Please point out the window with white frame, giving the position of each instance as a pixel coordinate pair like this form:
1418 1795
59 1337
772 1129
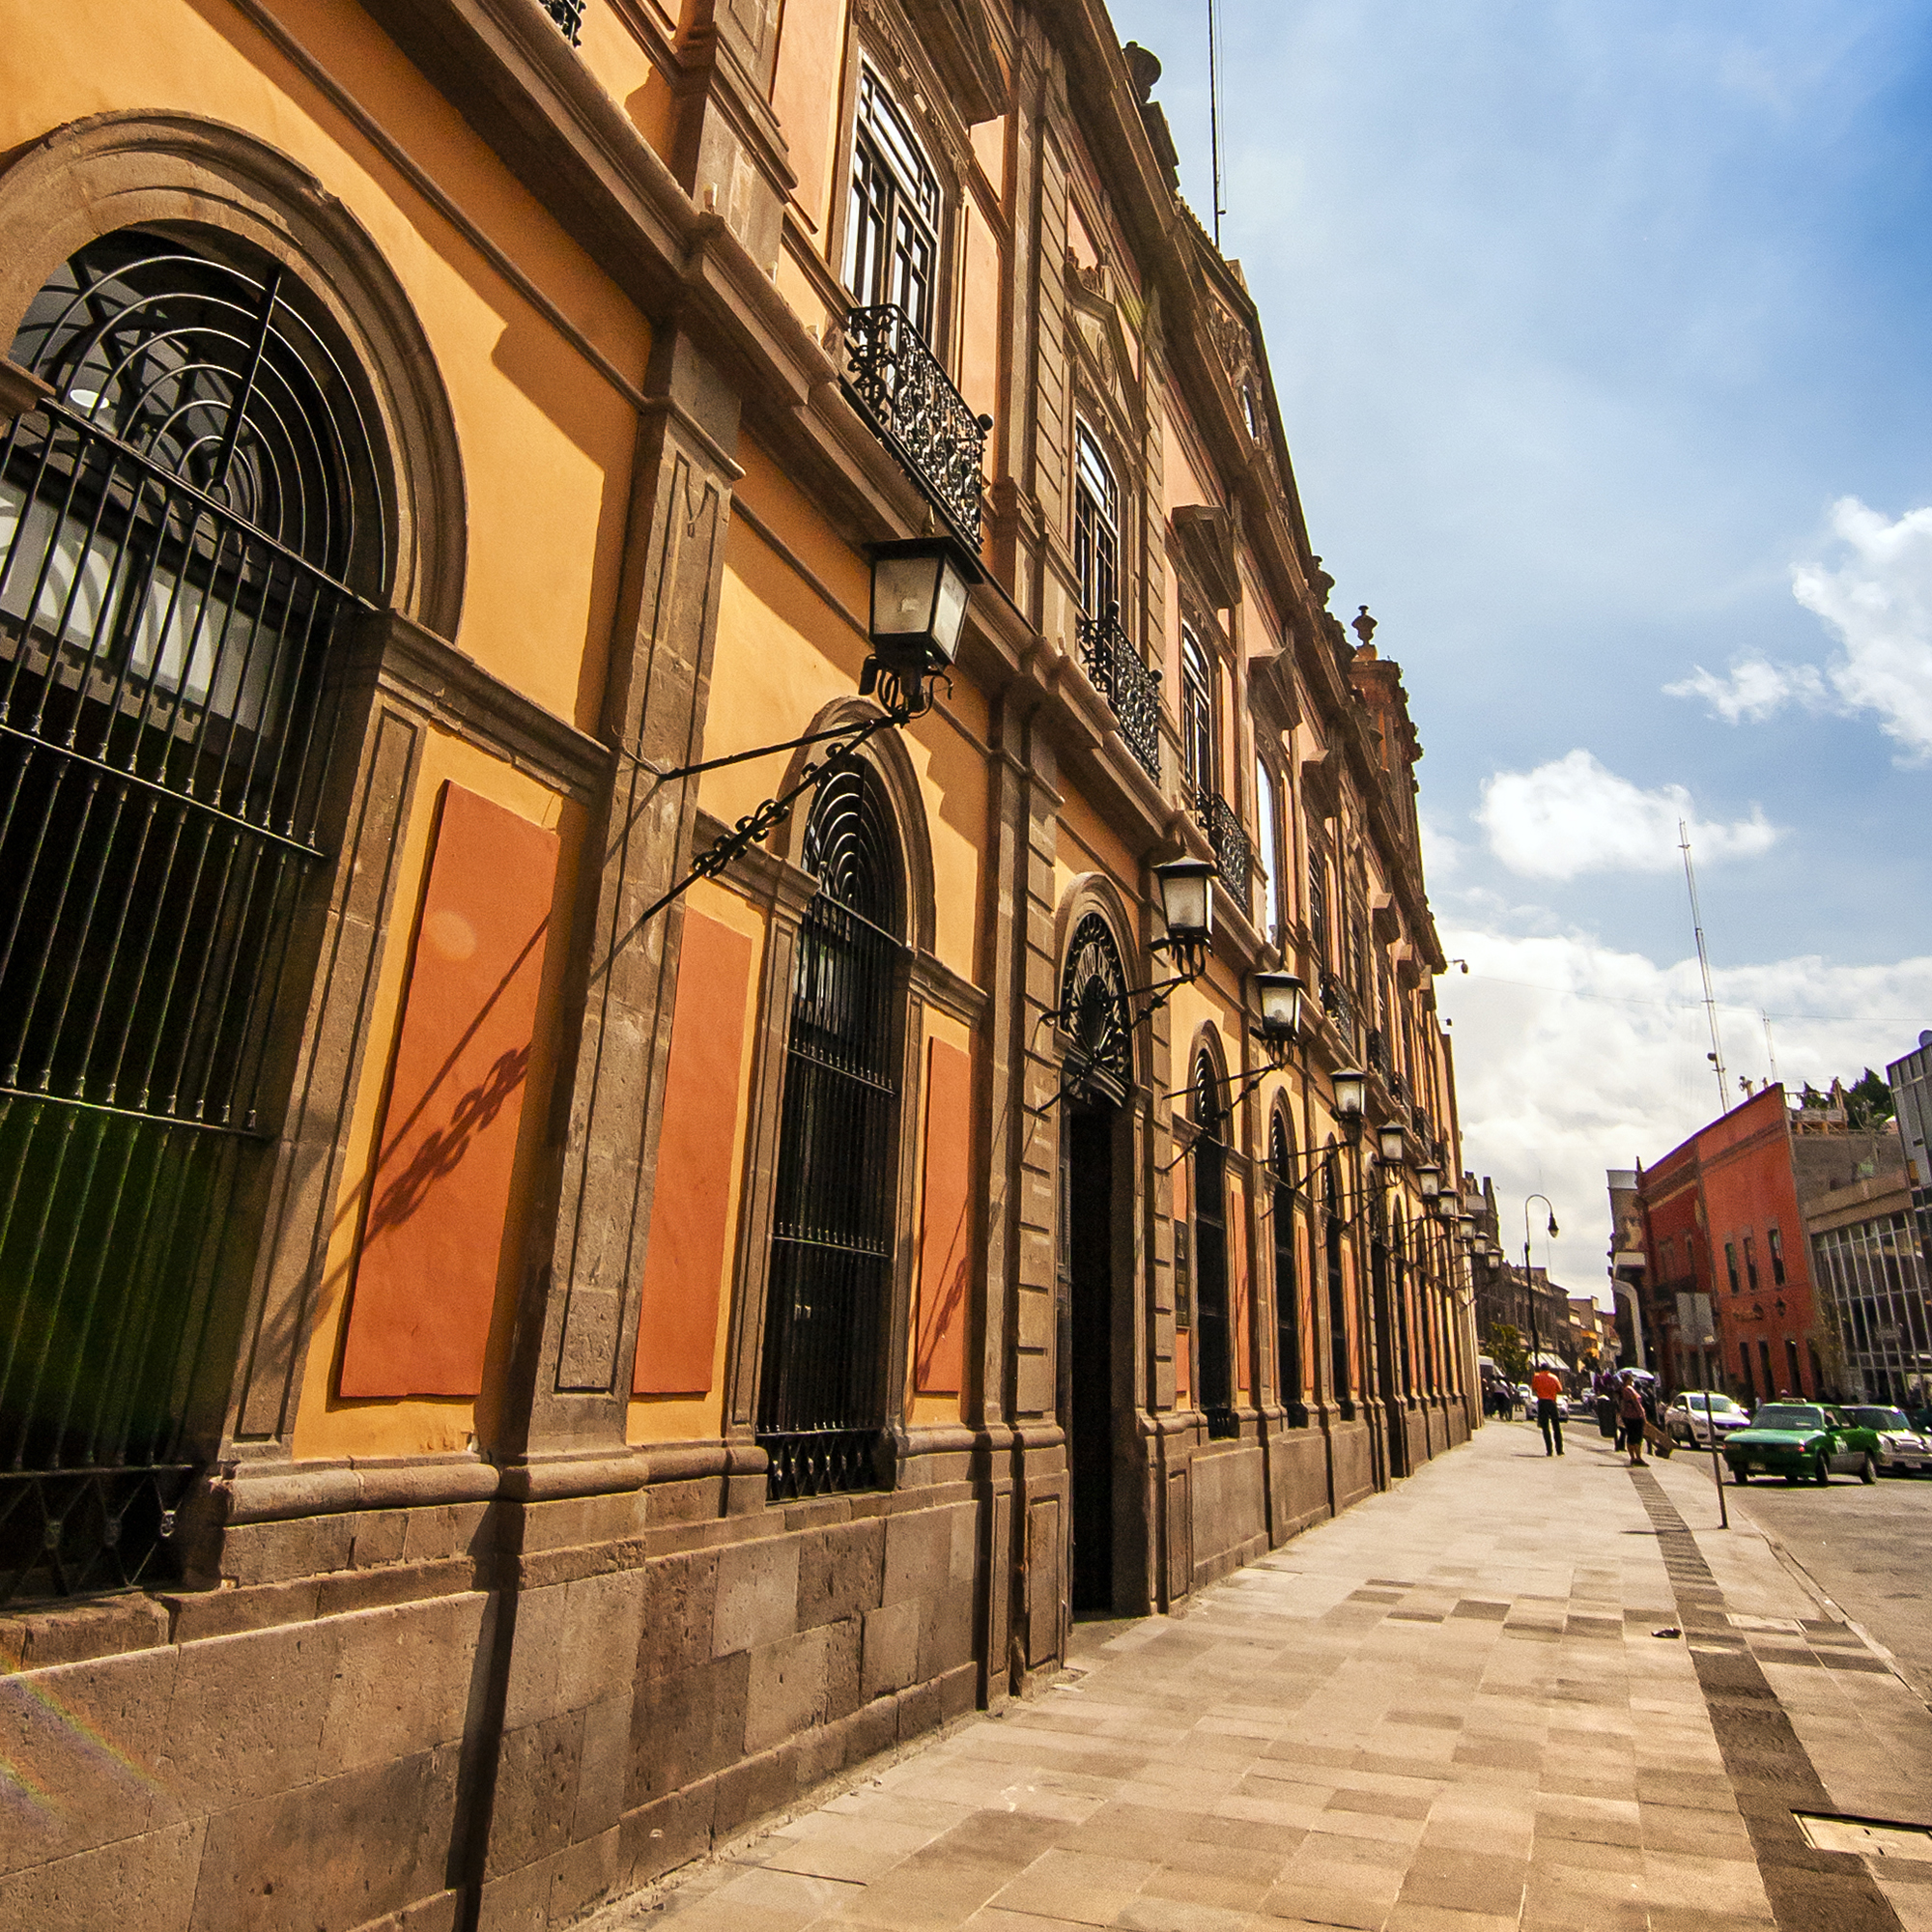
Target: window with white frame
1096 525
891 252
1197 715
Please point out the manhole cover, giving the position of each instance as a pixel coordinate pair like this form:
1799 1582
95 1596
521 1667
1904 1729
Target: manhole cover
1872 1838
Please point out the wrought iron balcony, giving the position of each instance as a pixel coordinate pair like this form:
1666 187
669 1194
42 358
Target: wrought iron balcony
568 15
1336 1004
1375 1050
900 389
1131 688
1233 853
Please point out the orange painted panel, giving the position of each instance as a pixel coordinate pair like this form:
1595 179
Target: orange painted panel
946 1226
684 1266
426 1280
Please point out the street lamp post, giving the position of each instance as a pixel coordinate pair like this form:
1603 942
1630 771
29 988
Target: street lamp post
1529 1279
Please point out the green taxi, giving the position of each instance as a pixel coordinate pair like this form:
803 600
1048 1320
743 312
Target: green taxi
1796 1439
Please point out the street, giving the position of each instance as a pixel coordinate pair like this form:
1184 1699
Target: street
1514 1691
1868 1547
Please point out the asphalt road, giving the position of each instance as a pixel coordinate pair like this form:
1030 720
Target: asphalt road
1868 1547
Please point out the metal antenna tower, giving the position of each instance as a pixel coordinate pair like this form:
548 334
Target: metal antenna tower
1214 108
1704 967
1770 1051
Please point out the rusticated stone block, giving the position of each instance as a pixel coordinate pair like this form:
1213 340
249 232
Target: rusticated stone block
889 1660
670 1832
377 1837
750 1790
870 1729
206 1614
381 1537
433 1914
787 1689
446 1529
944 1629
78 1635
687 1727
536 1792
89 1734
584 1875
145 1883
680 1600
843 1648
958 1692
919 1710
840 1572
247 1717
601 1621
757 1594
530 1689
919 1553
605 1773
277 1552
404 1681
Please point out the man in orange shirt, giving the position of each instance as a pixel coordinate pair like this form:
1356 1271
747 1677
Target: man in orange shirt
1545 1388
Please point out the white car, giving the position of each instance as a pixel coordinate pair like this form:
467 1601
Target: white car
1691 1417
1902 1450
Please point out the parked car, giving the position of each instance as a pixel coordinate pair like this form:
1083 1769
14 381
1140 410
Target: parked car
1796 1439
1902 1450
1691 1417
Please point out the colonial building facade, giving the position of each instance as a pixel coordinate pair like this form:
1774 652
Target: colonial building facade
515 1361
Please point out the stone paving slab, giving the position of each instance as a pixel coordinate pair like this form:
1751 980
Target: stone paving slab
1444 1712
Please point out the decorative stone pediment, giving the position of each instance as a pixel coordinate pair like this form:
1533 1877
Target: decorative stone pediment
1100 341
1206 535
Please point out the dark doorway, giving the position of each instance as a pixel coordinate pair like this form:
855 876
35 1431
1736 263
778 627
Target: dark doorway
1086 1347
1386 1365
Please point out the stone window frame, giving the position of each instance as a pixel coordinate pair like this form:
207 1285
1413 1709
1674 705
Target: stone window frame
178 174
880 41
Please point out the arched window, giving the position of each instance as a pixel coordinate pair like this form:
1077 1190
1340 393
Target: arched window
893 249
1343 1386
822 1397
181 528
1091 992
1097 526
1210 1245
1287 1304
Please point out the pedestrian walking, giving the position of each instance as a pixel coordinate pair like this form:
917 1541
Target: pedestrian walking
1629 1412
1545 1388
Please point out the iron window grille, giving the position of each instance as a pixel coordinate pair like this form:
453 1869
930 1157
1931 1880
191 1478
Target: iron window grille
1131 688
1210 1252
1092 990
1343 1381
1287 1304
569 18
821 1409
181 526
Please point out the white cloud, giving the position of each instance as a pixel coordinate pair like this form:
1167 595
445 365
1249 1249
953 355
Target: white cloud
1573 815
1880 603
1572 1057
1441 851
1755 690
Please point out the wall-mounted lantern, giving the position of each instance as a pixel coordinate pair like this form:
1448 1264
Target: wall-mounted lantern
920 587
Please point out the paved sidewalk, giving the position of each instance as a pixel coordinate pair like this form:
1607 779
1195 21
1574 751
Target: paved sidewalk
1445 1711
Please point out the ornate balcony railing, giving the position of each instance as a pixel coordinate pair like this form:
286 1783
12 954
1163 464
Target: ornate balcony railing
1337 1004
1375 1050
920 417
1233 853
1131 688
568 15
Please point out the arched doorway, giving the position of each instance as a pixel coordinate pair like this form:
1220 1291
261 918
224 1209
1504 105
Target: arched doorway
1287 1293
1091 1358
1341 1388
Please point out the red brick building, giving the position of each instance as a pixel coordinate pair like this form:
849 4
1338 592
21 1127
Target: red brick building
1721 1217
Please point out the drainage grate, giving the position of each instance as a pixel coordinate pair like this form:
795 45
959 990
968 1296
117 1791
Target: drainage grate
1870 1837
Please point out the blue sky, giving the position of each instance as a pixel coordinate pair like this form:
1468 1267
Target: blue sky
1600 338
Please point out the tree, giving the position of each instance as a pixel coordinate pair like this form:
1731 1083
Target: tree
1507 1350
1869 1103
